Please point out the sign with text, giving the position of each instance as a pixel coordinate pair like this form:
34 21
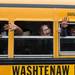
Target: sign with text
38 69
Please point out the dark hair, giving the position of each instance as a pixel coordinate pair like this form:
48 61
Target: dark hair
41 30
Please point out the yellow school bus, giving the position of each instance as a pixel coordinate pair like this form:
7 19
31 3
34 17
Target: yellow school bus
39 11
30 15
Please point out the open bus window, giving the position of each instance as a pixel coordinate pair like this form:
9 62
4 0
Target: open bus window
67 42
36 28
3 32
3 38
33 41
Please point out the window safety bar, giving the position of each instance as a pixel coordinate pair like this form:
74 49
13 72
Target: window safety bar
29 37
64 37
67 37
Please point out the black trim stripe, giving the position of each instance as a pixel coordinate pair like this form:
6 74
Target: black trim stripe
37 61
37 6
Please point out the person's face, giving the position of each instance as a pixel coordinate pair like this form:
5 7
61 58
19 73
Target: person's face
46 30
73 32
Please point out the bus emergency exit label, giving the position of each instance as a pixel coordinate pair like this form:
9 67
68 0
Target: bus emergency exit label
46 69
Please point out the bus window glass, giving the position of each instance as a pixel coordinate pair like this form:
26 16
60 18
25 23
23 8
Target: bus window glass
67 39
36 37
3 37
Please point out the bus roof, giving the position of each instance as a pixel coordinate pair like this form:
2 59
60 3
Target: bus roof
57 2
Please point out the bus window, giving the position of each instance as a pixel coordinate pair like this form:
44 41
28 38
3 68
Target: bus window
36 39
67 40
3 38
